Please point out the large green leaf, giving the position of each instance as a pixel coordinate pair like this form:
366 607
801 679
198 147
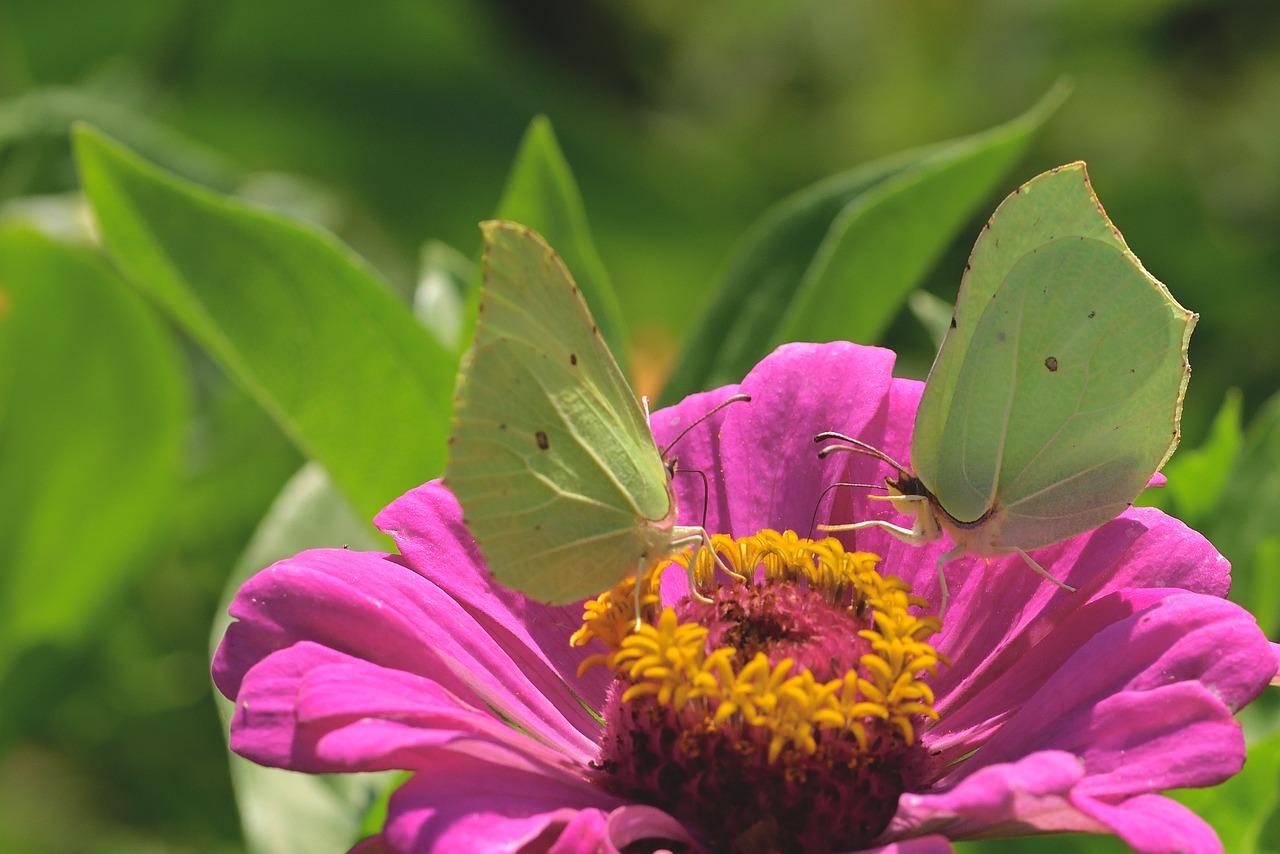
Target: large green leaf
542 194
291 314
837 259
92 414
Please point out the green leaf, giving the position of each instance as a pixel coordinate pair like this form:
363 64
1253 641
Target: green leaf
933 313
1245 810
836 260
92 416
1263 589
1198 477
1069 843
1242 521
442 292
292 315
542 194
283 812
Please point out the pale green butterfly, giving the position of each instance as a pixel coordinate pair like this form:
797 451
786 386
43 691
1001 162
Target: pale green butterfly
1057 392
551 456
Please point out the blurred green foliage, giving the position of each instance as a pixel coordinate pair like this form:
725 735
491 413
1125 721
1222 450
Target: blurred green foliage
135 466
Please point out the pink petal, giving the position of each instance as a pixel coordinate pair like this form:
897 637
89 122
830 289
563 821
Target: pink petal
1000 800
698 451
760 457
1151 824
637 824
313 709
372 608
1143 548
1141 685
473 805
426 524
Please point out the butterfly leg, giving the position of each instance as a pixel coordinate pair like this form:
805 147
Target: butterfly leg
943 593
640 568
1040 569
687 536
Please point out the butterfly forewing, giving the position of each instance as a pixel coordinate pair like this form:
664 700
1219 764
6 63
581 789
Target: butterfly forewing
551 458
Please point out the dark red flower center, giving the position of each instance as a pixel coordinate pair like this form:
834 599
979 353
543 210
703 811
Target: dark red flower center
777 715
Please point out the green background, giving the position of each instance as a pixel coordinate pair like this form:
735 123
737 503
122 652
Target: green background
139 449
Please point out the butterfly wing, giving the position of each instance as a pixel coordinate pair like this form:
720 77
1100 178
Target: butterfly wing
551 457
1059 390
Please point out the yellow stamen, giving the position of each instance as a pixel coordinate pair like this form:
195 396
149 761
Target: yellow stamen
669 660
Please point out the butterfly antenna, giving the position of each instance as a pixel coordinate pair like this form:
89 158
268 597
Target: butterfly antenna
673 467
737 398
858 447
813 523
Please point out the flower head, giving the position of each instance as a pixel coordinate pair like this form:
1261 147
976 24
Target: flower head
815 694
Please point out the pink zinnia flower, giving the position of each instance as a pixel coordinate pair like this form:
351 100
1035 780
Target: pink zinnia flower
1058 711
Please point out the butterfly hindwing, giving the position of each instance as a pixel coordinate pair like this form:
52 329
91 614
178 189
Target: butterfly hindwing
1059 390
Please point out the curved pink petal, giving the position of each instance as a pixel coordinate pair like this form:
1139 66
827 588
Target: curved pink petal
639 825
698 451
316 710
426 524
1000 800
371 607
1152 824
470 804
759 457
1140 685
1143 548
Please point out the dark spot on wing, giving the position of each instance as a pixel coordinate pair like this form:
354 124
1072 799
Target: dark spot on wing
543 443
502 425
1051 362
573 358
